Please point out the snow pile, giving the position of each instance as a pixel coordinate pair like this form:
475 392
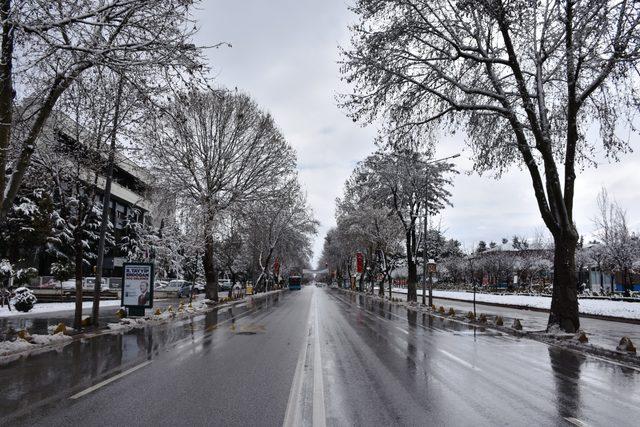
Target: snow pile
44 340
623 309
52 307
181 312
10 347
31 343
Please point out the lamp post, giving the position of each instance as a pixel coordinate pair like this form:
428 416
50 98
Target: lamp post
426 225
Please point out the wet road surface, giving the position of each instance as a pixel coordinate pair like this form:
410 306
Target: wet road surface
316 357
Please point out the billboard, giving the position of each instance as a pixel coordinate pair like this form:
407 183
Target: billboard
137 285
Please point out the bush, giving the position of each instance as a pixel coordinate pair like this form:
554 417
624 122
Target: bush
23 299
24 276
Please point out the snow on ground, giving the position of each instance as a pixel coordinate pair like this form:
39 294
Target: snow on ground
10 347
624 309
37 341
52 307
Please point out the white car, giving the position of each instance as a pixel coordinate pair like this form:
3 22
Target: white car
89 284
159 285
67 285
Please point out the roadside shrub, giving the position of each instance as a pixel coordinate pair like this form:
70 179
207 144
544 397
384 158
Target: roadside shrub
517 325
582 337
23 299
626 345
24 276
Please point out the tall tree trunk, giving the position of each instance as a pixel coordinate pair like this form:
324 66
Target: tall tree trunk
564 304
6 90
106 205
412 272
361 280
77 319
381 285
210 272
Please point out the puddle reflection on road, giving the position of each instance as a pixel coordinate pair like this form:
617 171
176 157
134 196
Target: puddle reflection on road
43 376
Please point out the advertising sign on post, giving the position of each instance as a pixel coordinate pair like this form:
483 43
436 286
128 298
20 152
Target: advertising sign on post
359 262
137 287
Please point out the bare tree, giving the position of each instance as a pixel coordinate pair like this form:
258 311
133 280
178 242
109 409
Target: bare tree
278 225
621 245
396 181
46 46
524 80
215 150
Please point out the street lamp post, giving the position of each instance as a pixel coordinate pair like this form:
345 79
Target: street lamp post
426 225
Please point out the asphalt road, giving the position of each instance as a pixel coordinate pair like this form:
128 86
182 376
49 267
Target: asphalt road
316 357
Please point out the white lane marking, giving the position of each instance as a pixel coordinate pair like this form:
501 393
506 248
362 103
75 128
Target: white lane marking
576 422
460 361
109 380
402 330
293 414
319 418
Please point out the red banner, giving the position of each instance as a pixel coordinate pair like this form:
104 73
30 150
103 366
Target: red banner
276 267
359 262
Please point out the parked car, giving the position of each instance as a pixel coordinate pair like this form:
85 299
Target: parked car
67 285
181 287
89 283
198 288
224 285
50 284
160 285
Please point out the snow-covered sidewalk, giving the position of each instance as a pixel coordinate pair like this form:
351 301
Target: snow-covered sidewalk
621 309
53 307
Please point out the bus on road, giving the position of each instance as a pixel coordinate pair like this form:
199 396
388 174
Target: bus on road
295 283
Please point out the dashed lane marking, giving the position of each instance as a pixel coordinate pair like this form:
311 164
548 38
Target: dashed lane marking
109 380
402 330
576 422
460 361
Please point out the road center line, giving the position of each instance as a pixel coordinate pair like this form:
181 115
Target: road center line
576 422
319 418
293 414
460 361
109 380
402 330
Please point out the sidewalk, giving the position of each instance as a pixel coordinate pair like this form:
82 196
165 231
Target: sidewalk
601 332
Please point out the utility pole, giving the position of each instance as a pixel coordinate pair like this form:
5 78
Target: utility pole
424 240
426 230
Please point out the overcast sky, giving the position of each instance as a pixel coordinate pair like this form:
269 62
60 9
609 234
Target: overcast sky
285 55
